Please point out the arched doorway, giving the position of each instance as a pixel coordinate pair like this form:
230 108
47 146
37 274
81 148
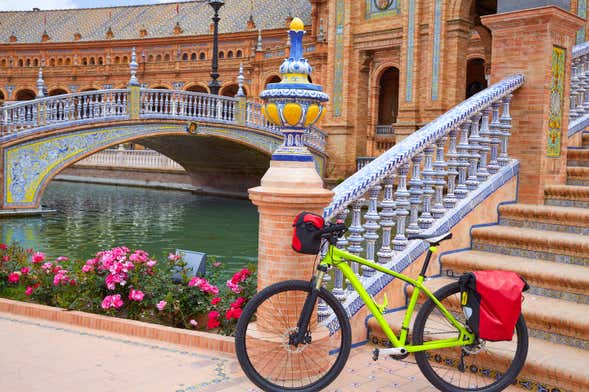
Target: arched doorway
197 88
57 91
25 94
2 98
272 79
388 97
475 77
230 90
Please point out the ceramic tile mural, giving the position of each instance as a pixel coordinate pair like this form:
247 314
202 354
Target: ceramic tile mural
556 102
381 8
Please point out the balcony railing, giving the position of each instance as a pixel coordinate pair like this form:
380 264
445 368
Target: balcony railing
385 130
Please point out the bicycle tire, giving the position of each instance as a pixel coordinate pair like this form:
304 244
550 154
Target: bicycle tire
261 362
476 375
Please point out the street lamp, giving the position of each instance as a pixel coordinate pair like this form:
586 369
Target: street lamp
214 84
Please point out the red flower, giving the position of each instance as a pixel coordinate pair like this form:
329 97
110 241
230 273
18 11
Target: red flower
238 302
233 313
14 277
3 247
215 301
213 320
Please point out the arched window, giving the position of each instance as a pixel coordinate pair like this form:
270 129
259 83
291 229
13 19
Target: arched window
28 63
117 60
158 58
2 98
185 56
230 90
52 62
20 62
25 95
230 54
193 56
92 61
125 60
57 91
167 57
272 79
221 55
239 53
3 62
150 58
60 61
202 56
388 99
84 61
68 61
100 61
197 88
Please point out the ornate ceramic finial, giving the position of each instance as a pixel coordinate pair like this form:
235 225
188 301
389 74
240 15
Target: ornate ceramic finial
109 34
321 34
294 104
40 84
133 67
259 48
45 37
240 79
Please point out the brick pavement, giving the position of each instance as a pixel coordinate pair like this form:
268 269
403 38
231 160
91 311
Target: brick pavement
38 355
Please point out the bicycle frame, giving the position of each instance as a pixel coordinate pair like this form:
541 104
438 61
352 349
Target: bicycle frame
337 258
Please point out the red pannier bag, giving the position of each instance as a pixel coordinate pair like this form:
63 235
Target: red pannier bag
306 236
491 302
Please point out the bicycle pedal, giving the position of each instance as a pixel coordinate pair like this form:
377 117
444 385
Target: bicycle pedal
375 354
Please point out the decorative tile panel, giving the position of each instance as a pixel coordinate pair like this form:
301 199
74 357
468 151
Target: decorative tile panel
436 50
382 8
556 102
410 47
338 83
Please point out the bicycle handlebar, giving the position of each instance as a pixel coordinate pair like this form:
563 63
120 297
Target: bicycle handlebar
338 227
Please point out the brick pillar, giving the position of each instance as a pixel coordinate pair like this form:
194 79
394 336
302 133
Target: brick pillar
287 188
533 42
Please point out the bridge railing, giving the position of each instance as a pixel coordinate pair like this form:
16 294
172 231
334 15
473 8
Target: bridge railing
131 159
71 108
579 95
425 183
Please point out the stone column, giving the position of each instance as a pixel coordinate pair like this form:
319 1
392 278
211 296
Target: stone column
291 184
537 43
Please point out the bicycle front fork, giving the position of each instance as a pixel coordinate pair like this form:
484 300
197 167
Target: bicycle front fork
301 335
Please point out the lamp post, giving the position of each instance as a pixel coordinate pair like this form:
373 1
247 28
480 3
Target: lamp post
214 84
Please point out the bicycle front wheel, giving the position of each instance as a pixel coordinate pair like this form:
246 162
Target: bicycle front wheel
264 346
484 366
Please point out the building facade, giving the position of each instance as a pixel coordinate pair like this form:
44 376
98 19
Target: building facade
389 66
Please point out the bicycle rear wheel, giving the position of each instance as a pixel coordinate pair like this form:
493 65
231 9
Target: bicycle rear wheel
485 366
262 339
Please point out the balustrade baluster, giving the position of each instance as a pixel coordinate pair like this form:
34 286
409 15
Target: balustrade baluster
21 116
584 87
402 204
440 179
426 219
472 182
79 107
505 122
219 108
371 227
34 117
576 67
387 220
483 173
124 104
356 236
463 164
495 131
338 281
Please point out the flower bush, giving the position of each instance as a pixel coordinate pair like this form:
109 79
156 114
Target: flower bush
131 284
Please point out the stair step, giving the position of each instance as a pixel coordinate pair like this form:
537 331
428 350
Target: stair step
563 281
578 157
537 244
577 175
567 196
585 139
550 364
544 217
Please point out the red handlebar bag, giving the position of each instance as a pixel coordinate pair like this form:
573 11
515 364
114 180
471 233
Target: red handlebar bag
306 236
491 301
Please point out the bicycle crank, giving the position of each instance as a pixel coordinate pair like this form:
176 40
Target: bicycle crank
394 352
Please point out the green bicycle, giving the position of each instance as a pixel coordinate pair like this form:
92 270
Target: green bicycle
296 336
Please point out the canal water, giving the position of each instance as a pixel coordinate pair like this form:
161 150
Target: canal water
91 218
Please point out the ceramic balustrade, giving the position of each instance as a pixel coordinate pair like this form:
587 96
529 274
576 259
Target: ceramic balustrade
415 185
131 159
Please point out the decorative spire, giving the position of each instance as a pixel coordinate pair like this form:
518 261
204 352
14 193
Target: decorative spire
40 84
259 48
240 79
133 67
109 33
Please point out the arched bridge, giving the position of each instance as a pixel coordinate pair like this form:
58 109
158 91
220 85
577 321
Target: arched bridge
40 138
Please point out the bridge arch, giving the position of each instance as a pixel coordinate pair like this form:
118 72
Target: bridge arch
241 155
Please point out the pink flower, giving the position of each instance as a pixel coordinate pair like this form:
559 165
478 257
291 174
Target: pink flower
61 258
14 277
6 258
25 270
47 267
60 277
29 291
161 305
193 323
136 295
38 257
112 301
217 264
173 257
234 286
87 268
151 263
215 301
3 247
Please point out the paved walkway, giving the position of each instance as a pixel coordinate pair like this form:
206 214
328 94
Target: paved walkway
37 355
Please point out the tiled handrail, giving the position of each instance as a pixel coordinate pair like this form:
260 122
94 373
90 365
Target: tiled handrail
426 183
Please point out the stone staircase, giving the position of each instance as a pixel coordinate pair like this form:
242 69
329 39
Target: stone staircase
549 246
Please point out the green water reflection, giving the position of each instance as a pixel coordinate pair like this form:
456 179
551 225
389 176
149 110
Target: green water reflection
95 217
